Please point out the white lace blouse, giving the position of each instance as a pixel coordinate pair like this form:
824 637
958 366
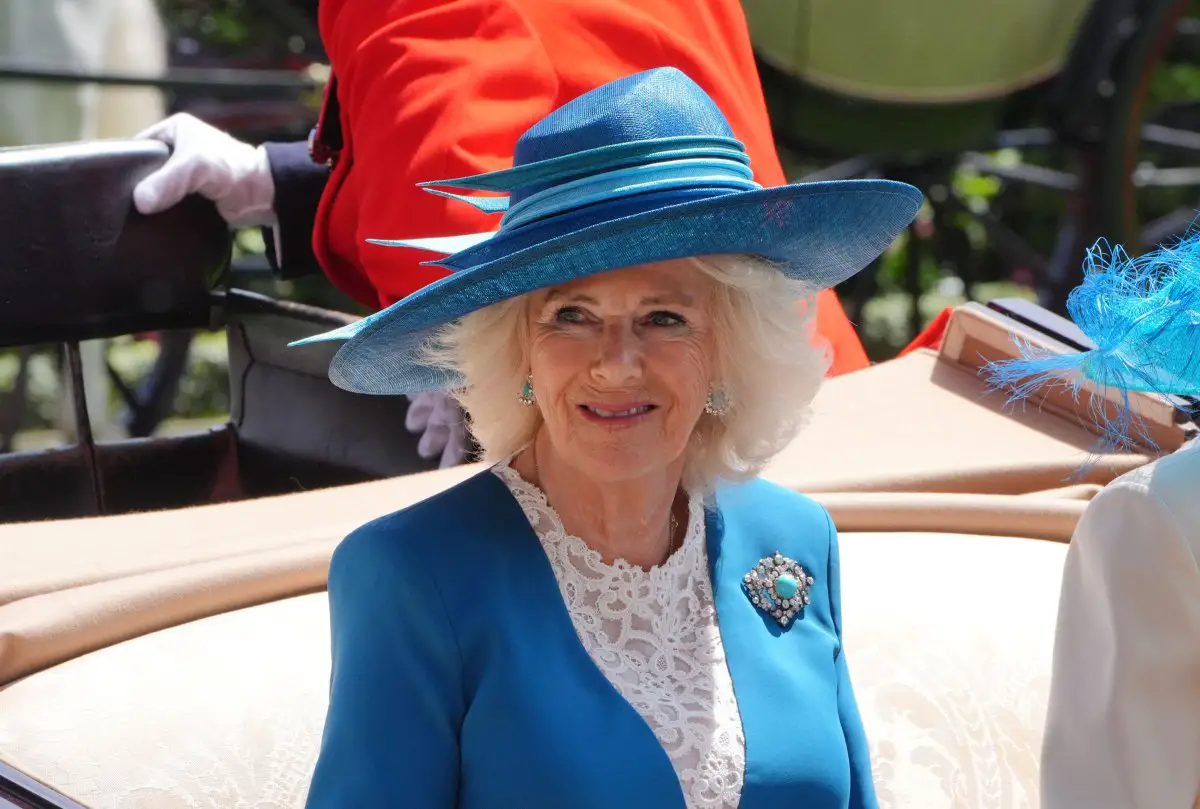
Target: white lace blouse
654 635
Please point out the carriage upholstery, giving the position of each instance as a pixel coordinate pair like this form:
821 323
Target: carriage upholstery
227 711
178 659
113 270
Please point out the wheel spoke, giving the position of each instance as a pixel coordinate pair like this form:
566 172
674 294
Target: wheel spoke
126 393
1023 173
1171 138
1163 228
857 166
1026 138
1150 176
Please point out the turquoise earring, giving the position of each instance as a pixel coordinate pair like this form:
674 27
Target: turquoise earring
526 396
717 404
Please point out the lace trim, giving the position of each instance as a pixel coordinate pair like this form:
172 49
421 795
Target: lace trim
653 632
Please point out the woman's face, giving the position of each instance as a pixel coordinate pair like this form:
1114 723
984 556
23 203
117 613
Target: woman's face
621 366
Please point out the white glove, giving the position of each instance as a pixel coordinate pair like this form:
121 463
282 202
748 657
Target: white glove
205 160
443 429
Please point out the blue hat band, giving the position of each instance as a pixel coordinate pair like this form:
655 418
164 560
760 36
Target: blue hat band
512 240
646 178
617 155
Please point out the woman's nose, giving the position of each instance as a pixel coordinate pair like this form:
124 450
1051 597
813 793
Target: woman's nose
619 358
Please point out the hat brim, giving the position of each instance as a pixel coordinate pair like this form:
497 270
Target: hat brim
818 233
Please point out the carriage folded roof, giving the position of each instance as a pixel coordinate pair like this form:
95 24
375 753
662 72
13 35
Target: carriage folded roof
924 51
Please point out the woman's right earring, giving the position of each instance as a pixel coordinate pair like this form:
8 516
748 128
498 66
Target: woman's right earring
526 396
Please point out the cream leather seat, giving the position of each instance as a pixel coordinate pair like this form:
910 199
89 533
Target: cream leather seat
949 639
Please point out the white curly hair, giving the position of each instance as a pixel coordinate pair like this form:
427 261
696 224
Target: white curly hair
769 364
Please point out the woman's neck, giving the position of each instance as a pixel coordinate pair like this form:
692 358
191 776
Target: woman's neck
642 521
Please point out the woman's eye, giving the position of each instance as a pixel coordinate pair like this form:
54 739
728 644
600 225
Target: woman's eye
666 319
568 314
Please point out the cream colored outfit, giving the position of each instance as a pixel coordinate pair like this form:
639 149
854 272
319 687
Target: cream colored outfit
1123 722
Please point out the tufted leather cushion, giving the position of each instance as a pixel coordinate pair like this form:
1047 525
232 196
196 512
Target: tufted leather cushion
950 665
77 261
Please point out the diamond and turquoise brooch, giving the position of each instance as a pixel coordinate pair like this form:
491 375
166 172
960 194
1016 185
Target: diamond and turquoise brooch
778 586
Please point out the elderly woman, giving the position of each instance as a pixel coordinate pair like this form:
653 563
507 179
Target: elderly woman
615 614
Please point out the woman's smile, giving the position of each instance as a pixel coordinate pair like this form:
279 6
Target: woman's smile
626 414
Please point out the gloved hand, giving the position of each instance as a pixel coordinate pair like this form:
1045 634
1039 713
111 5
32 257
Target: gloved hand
442 426
205 160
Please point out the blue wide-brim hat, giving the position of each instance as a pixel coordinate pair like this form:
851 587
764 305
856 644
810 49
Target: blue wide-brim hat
643 169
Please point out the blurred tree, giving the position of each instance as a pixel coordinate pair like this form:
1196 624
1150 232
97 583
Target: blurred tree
262 33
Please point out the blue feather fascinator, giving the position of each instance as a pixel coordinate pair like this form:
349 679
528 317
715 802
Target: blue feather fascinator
1142 314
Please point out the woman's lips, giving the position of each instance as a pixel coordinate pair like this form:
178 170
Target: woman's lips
620 413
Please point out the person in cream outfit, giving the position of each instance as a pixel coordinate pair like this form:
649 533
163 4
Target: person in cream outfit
1123 720
1123 723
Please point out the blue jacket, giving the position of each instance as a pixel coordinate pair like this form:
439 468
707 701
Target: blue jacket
459 681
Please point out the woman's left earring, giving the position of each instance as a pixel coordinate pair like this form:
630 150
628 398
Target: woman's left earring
717 403
526 396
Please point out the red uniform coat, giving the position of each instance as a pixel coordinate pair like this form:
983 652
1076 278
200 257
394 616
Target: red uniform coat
436 89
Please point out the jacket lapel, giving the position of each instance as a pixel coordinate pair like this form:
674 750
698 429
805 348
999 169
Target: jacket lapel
784 679
584 698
